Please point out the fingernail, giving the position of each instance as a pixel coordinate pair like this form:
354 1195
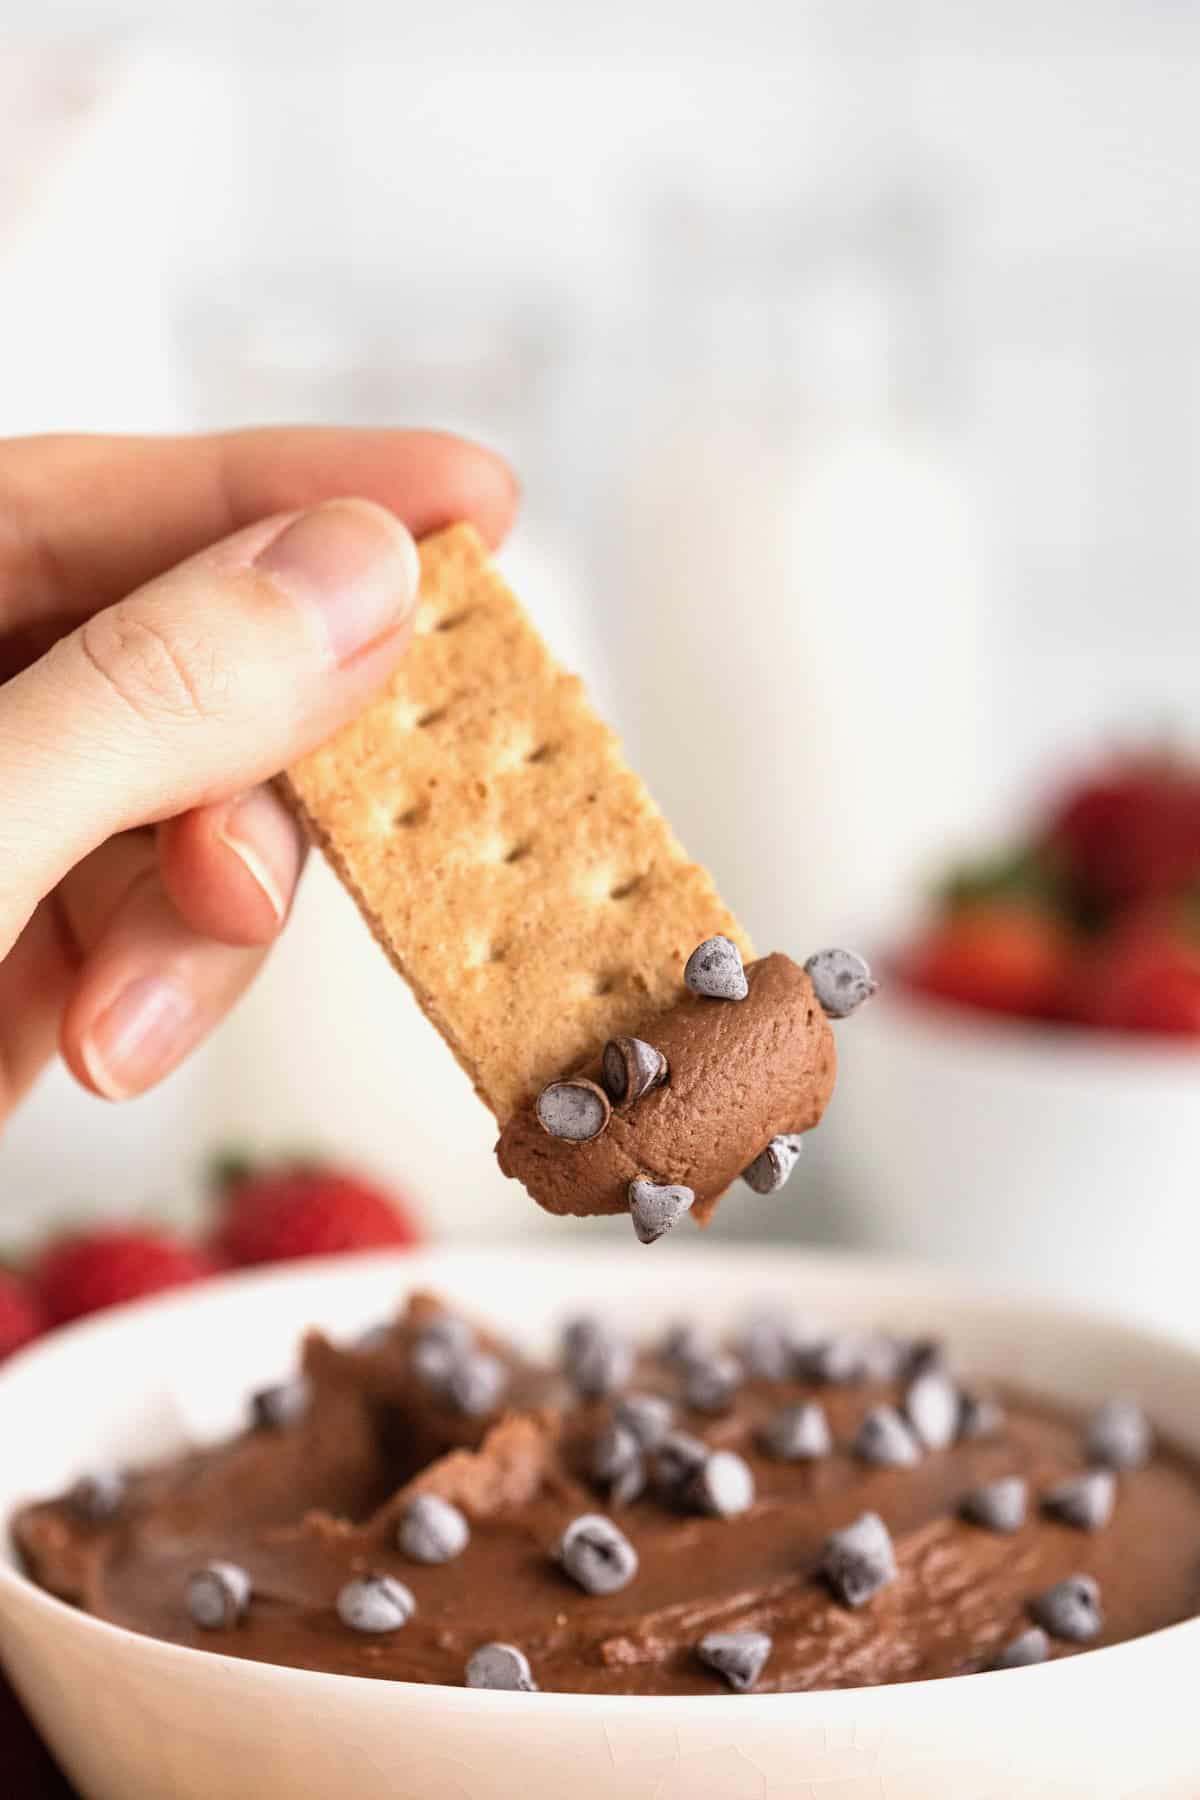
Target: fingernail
265 838
355 563
141 1035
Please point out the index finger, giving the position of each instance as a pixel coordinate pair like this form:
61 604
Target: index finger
83 520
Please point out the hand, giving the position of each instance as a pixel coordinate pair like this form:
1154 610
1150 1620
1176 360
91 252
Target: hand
179 620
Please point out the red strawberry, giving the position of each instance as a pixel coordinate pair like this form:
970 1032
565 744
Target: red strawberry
281 1213
93 1269
1143 975
1132 832
1002 955
21 1316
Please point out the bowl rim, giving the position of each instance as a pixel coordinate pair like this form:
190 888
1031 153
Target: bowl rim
22 1591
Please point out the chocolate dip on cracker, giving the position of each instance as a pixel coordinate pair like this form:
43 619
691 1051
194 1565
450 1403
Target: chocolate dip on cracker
586 974
740 1073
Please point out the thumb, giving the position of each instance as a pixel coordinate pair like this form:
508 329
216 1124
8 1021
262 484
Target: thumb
208 679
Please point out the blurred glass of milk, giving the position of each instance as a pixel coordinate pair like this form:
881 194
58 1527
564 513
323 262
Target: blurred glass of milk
802 672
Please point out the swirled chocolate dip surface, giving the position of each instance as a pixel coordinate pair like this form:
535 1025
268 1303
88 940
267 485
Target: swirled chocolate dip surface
310 1551
741 1072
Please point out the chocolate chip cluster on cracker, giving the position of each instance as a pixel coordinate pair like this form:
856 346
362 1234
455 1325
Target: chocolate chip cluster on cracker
585 973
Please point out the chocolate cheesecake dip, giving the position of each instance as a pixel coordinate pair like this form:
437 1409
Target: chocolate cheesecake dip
791 1509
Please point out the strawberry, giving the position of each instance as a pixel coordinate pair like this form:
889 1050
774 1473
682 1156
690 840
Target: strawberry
276 1214
1002 955
1000 940
1143 975
103 1267
1131 832
21 1315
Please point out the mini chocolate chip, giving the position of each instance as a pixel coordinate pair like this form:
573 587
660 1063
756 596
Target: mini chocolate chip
998 1505
676 1460
217 1595
632 1067
629 1484
95 1498
448 1329
375 1603
601 1364
614 1452
1118 1436
859 1560
579 1332
714 970
647 1416
772 1166
431 1530
841 981
575 1110
476 1382
883 1358
765 1343
921 1355
500 1666
723 1485
1032 1646
979 1417
596 1555
934 1407
437 1347
884 1439
655 1209
837 1361
432 1362
710 1386
1085 1501
807 1340
685 1343
740 1656
797 1433
1070 1609
276 1408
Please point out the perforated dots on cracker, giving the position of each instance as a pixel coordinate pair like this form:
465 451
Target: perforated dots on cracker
579 966
511 864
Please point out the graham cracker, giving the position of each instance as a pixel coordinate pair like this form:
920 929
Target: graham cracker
508 860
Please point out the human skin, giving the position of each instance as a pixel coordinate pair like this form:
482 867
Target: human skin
180 618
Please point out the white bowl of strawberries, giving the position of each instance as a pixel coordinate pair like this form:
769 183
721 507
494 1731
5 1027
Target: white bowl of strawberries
1024 1098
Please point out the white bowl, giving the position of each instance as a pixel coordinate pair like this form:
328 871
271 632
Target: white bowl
134 1719
1056 1155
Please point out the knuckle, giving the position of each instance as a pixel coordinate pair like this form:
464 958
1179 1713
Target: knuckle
160 673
